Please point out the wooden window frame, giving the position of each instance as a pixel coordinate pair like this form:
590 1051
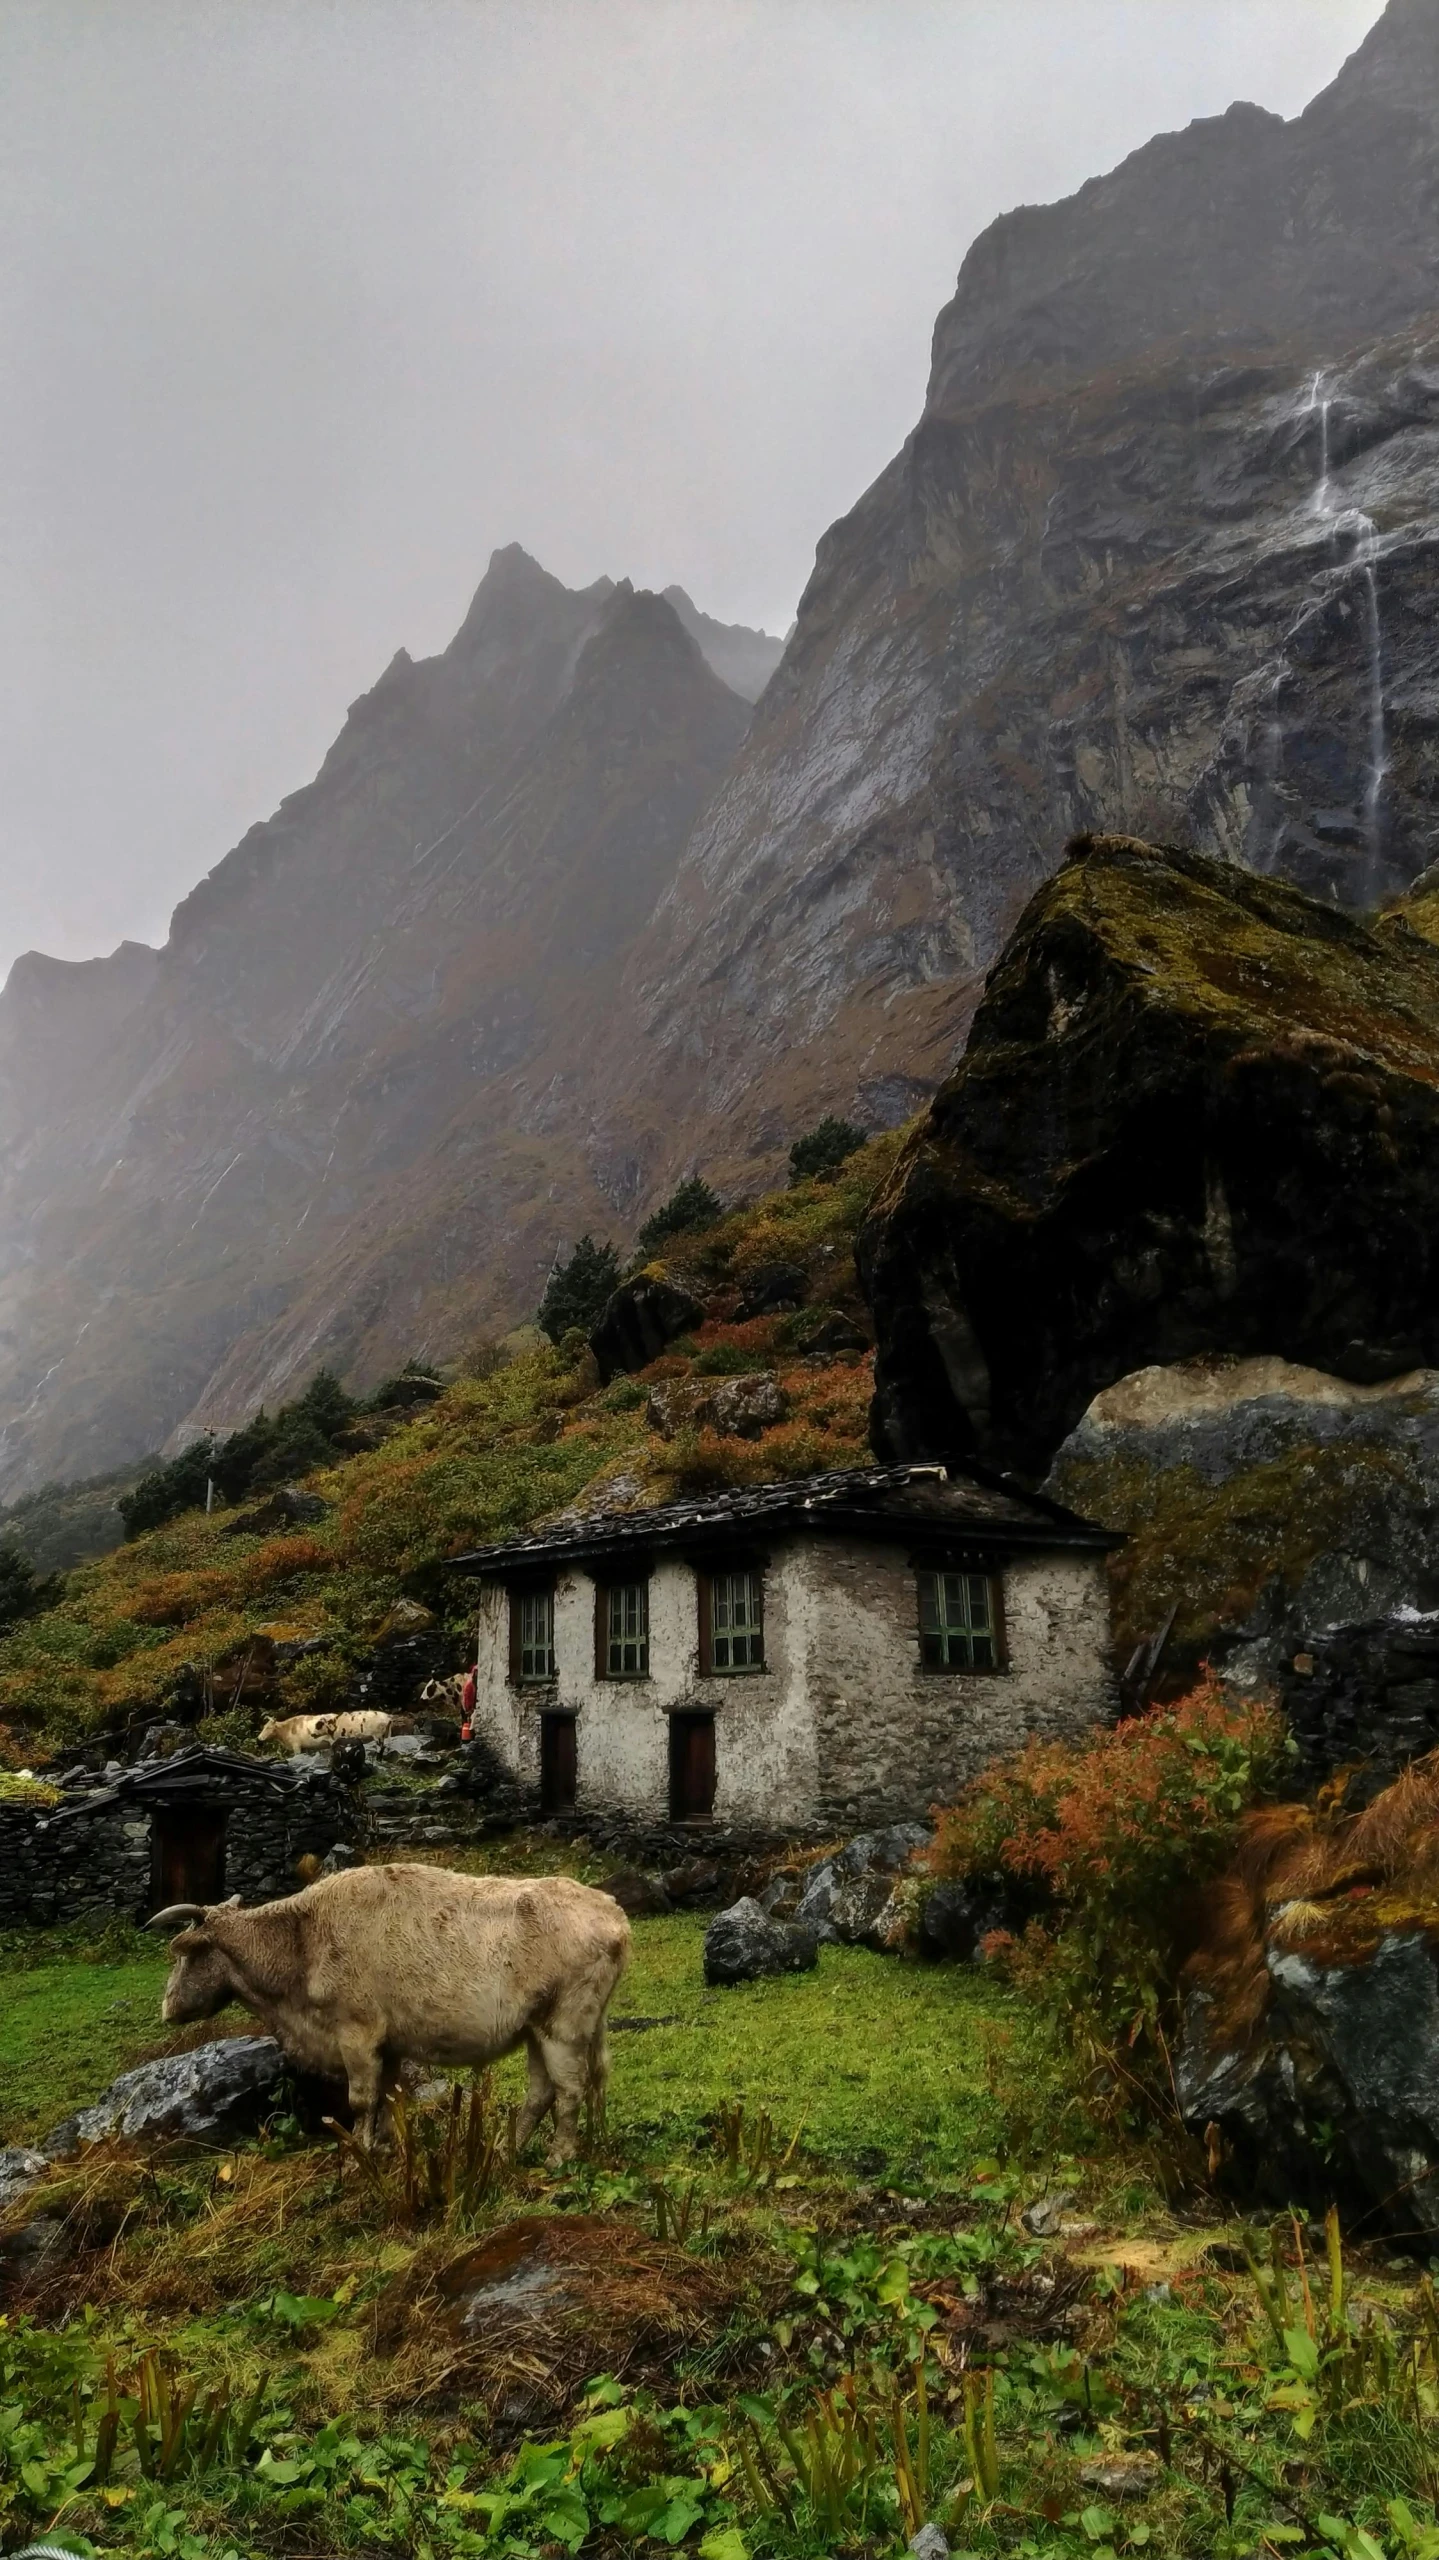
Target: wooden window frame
604 1636
972 1568
519 1593
706 1576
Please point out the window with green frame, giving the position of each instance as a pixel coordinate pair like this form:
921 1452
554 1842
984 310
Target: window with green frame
626 1621
958 1622
736 1621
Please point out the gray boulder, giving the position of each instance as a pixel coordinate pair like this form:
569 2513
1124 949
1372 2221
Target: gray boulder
746 1406
19 2169
744 1942
214 2094
1336 2094
951 1922
847 1897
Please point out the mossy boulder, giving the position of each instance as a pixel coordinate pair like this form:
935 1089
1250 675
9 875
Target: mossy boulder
1198 1112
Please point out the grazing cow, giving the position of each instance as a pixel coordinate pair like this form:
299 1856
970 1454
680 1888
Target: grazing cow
381 1965
445 1693
310 1733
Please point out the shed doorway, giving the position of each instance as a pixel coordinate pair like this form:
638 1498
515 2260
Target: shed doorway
187 1855
557 1763
692 1768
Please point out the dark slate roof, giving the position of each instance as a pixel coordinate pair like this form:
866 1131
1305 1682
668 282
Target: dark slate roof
197 1775
931 1505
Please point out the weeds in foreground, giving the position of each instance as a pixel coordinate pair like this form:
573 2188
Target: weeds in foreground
444 2164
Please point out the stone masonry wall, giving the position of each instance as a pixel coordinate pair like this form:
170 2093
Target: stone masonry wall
101 1862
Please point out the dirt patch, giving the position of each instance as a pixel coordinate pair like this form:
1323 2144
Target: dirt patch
527 2316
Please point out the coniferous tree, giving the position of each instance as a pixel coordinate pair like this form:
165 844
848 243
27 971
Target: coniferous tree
691 1206
823 1150
577 1290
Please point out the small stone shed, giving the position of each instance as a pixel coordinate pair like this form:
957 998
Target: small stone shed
801 1657
191 1828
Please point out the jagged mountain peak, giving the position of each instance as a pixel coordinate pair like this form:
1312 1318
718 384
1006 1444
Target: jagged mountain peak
1395 66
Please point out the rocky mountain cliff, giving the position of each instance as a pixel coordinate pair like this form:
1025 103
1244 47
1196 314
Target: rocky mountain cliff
325 1122
1159 556
559 920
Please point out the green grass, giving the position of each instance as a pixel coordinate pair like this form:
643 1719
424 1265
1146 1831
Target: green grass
870 2054
66 2028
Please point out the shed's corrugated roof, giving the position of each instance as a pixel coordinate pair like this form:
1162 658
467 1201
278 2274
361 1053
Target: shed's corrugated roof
962 1503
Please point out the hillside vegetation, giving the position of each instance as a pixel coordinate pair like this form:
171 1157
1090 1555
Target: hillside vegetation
523 1430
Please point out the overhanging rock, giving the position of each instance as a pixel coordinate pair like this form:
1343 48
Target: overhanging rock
1198 1111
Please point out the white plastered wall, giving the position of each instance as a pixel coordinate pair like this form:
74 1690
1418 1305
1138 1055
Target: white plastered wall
842 1727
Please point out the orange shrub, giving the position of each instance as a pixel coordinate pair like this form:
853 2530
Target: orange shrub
1116 1833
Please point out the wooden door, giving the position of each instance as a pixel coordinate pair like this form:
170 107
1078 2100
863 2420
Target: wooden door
692 1768
557 1763
187 1855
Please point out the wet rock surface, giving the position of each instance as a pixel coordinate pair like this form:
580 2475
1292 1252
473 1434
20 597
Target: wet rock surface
847 1898
214 2094
744 1943
640 1321
1198 1112
1338 2090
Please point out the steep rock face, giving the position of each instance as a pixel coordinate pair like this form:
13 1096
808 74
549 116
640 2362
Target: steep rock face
743 659
1158 557
334 1122
1198 1112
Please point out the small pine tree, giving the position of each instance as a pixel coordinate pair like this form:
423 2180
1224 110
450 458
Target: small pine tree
576 1291
691 1206
823 1150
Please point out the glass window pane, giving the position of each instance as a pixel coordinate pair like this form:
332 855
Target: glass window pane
957 1622
537 1635
736 1622
627 1655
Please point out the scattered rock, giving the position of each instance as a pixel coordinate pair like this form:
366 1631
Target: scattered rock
741 1408
950 1922
39 2246
694 1880
744 1942
214 2094
642 1896
772 1290
639 1322
746 1406
1121 2475
928 2543
1046 2215
833 1334
340 1855
287 1508
19 2169
847 1897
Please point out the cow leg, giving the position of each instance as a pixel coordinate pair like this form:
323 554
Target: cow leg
365 2077
599 2072
539 2095
569 2068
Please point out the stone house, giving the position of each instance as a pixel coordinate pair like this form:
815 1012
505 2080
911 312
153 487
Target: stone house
193 1827
794 1658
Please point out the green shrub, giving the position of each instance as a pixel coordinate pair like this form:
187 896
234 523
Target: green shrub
824 1149
727 1360
576 1291
692 1206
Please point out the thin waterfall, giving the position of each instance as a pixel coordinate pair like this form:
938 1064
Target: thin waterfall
1353 520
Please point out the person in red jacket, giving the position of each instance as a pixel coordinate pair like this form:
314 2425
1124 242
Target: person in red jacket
467 1702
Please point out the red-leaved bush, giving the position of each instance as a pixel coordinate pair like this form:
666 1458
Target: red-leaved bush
1115 1837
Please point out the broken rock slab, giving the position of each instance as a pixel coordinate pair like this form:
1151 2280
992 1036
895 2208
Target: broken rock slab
744 1943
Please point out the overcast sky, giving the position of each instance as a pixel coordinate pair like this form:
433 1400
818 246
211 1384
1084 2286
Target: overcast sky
305 305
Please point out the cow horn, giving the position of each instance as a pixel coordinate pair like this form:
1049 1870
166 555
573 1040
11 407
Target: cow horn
180 1915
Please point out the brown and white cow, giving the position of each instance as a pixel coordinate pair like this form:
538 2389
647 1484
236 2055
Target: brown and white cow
310 1733
383 1965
